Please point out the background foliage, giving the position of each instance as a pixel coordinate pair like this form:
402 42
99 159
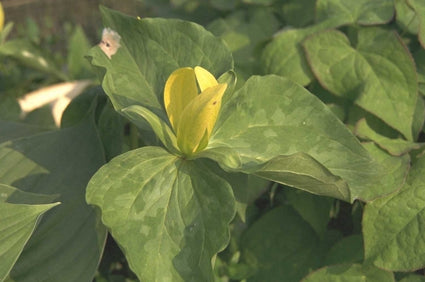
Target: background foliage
335 90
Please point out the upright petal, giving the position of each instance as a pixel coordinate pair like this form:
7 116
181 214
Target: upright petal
198 120
205 78
179 90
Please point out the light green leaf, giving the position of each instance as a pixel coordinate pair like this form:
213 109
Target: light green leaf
350 273
406 17
292 120
393 226
281 246
396 147
169 215
150 50
58 163
378 74
19 214
364 12
419 7
347 250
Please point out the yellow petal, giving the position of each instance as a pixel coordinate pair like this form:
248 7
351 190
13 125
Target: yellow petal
198 120
1 17
205 78
179 90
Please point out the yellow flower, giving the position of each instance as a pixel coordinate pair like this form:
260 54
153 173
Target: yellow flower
192 99
1 17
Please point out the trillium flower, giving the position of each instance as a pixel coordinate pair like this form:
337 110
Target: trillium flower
192 99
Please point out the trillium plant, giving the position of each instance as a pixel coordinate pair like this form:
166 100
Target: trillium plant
233 151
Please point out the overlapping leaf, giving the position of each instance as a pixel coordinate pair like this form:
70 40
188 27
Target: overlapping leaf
378 74
393 227
19 214
150 50
169 215
58 163
350 273
271 116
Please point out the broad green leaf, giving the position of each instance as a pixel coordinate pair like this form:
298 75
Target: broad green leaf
419 7
313 209
259 2
292 120
418 117
281 246
160 127
169 215
350 273
150 50
378 74
364 12
396 147
393 173
32 56
347 250
284 56
19 214
393 226
406 17
58 163
79 45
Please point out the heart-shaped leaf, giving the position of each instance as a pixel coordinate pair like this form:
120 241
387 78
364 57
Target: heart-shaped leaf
169 215
378 74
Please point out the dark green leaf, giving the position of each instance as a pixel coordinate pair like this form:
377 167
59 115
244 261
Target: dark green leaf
347 250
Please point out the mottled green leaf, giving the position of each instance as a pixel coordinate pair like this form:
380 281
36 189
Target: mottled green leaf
350 273
58 163
292 120
406 17
396 147
19 214
150 49
363 12
393 226
169 215
378 74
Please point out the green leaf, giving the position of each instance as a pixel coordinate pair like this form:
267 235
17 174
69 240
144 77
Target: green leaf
292 120
406 17
364 12
313 209
347 250
58 163
350 273
413 278
378 74
281 246
392 226
395 147
419 7
298 13
19 214
79 45
170 216
32 56
150 50
13 130
160 127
